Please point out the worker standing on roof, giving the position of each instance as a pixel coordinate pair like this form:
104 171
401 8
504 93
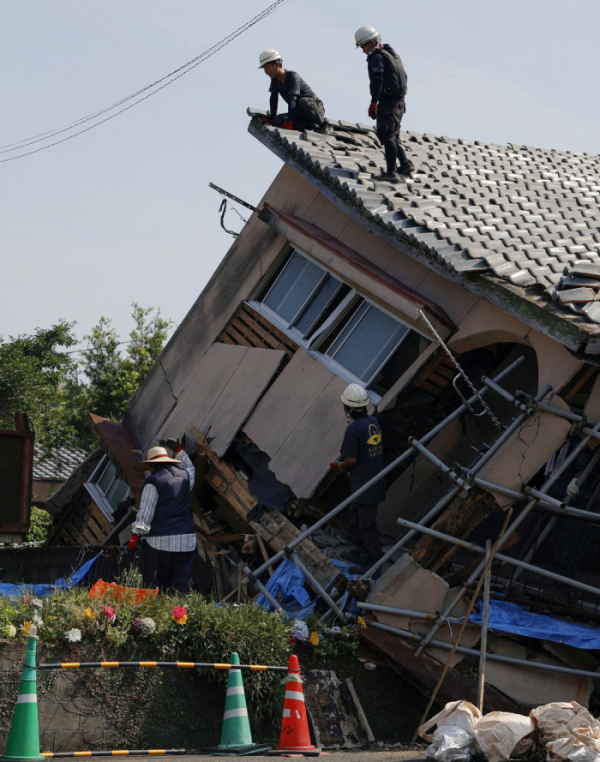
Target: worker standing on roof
306 111
388 84
362 458
165 520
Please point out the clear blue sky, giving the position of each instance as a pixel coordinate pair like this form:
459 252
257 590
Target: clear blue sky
124 212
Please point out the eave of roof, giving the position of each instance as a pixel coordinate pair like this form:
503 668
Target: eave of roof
408 218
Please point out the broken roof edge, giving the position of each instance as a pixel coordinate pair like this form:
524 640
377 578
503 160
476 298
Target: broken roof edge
583 338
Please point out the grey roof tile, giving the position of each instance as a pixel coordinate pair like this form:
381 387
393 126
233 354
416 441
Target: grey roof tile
525 213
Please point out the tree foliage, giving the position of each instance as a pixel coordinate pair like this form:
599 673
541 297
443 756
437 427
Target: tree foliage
34 375
41 377
111 377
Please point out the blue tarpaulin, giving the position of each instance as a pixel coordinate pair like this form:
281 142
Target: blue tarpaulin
508 617
17 591
289 581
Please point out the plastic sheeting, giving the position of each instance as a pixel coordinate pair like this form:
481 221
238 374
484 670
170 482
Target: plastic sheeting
508 617
39 591
289 581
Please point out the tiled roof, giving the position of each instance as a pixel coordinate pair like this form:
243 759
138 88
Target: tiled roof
59 465
523 216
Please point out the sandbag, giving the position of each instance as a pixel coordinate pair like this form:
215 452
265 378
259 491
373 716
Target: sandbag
559 719
499 733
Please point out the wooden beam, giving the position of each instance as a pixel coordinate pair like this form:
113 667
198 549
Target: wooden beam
273 527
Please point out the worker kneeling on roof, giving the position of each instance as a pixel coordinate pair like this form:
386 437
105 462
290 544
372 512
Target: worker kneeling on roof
362 458
388 85
306 111
165 520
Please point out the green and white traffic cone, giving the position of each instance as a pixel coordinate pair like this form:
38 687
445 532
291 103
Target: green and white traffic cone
236 736
24 738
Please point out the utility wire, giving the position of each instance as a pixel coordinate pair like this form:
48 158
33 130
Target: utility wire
167 80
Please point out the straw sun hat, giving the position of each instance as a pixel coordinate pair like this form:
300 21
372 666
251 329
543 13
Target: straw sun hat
155 455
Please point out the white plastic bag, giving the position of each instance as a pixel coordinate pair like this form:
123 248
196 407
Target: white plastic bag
451 744
454 739
499 733
582 745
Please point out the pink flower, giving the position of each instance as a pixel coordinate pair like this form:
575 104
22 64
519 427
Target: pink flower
292 640
110 613
179 612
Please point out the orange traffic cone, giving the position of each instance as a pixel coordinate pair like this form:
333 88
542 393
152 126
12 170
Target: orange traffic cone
295 735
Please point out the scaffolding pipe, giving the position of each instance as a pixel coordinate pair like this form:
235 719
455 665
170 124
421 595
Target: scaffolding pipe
590 432
439 463
490 656
574 513
499 557
410 613
316 586
527 492
512 528
399 460
455 490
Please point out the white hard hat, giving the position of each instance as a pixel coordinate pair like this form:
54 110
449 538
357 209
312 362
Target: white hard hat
268 56
355 396
365 34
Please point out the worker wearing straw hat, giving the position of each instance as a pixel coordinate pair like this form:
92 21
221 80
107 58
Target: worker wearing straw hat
165 520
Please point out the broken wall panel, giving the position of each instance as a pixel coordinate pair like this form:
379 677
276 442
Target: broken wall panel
300 423
238 274
529 448
228 383
124 448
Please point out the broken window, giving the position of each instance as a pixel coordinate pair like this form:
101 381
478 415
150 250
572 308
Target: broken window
106 488
357 340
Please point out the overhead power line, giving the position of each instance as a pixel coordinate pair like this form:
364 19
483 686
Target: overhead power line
149 90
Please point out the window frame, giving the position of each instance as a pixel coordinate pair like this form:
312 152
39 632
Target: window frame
97 495
339 319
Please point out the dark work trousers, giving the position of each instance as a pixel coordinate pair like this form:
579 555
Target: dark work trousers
363 528
389 117
309 114
166 569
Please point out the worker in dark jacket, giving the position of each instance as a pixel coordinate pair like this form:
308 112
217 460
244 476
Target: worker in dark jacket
305 110
362 458
388 85
165 520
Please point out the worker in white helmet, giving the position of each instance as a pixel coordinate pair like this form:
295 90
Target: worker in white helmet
388 85
305 110
362 458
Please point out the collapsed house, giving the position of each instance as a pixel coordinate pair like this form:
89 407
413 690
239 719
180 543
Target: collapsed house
466 303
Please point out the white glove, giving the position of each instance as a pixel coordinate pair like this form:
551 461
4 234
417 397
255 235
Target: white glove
573 489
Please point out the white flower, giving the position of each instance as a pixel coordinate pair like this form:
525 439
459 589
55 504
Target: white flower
335 630
9 630
300 630
37 604
74 635
148 625
38 621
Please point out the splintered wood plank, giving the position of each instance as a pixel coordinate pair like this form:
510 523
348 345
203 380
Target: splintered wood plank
273 527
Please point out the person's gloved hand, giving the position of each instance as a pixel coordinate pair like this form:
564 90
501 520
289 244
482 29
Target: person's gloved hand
171 443
335 464
573 489
373 111
133 541
287 125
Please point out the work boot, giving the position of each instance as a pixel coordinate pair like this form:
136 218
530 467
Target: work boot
388 178
406 168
